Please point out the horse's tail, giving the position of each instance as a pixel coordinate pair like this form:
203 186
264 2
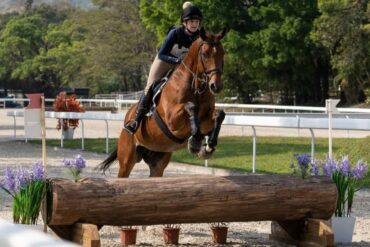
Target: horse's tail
108 161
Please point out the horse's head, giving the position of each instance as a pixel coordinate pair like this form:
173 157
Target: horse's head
210 62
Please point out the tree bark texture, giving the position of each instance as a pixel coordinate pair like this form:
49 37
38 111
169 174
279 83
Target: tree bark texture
192 199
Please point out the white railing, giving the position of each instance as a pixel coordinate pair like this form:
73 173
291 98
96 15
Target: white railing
296 121
119 103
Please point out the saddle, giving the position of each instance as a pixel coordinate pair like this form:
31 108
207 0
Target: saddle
157 88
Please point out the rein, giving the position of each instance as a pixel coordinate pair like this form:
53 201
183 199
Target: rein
206 74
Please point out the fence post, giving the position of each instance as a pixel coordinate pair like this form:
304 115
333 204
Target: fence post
107 137
254 150
312 146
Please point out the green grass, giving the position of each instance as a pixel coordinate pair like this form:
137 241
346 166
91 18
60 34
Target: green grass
274 154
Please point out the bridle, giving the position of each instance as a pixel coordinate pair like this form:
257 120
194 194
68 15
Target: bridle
206 74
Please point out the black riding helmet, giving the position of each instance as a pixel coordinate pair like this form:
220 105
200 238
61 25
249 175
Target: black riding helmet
191 13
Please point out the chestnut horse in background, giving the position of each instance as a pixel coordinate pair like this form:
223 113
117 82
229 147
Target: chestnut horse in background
185 112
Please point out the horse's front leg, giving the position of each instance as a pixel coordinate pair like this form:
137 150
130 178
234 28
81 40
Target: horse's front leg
195 140
207 150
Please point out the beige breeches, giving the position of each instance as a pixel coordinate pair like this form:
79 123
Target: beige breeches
158 69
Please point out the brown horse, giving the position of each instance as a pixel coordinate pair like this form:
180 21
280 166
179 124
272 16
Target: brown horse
184 114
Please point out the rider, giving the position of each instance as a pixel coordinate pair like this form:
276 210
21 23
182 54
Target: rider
170 54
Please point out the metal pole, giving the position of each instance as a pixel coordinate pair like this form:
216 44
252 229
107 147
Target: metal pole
82 135
107 138
330 130
312 146
61 137
330 109
15 125
254 150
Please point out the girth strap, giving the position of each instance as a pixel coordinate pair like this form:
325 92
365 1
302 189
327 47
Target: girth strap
162 125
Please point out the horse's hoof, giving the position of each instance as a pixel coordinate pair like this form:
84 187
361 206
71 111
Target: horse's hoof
204 154
194 146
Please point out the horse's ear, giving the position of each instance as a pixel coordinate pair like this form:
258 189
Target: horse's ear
221 34
203 33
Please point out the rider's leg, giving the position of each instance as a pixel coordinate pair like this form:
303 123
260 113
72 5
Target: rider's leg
157 71
141 110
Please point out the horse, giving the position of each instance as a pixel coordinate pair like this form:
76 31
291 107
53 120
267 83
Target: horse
185 112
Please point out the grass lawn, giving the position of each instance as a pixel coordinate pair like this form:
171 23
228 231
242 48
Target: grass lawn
274 154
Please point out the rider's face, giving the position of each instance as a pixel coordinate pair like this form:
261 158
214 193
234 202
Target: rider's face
192 25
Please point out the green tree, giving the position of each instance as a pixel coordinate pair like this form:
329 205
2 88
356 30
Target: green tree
268 46
342 29
19 43
118 48
38 52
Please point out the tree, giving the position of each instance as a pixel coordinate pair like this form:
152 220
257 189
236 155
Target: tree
19 43
28 5
38 52
268 46
342 29
118 48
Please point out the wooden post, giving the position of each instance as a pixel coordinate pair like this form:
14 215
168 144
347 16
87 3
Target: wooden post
43 141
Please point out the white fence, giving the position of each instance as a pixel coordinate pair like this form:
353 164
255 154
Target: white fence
295 121
121 104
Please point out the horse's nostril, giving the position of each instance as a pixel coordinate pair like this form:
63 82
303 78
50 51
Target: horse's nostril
213 87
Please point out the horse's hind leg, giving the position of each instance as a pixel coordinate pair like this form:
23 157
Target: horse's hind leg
157 161
157 169
195 140
126 153
208 149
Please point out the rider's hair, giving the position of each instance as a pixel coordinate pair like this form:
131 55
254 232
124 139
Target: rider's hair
186 5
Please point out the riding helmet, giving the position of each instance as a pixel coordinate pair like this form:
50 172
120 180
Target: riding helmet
190 12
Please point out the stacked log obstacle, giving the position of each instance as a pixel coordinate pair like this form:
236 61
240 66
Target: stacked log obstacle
295 204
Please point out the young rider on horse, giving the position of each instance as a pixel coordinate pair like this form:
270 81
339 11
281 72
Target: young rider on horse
171 53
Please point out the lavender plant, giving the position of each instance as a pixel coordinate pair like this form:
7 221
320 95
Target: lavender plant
75 166
343 175
27 189
302 169
346 179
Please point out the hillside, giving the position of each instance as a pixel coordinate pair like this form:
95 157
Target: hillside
17 5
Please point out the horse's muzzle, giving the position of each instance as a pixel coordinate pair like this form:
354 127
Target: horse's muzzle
215 87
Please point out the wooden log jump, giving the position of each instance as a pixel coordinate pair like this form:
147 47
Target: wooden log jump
285 199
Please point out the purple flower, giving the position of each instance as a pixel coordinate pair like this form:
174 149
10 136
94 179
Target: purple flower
304 159
68 163
329 167
22 178
75 166
9 182
359 170
314 169
80 162
38 171
345 166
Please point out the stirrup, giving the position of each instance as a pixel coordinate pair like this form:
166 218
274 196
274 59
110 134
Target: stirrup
131 127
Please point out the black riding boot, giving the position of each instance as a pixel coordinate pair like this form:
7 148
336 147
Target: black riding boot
141 110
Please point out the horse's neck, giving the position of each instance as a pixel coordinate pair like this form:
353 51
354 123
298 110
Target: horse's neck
179 87
188 69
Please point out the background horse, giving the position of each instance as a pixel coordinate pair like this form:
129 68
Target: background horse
185 113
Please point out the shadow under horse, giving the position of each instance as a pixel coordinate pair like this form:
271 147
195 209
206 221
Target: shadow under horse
184 114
